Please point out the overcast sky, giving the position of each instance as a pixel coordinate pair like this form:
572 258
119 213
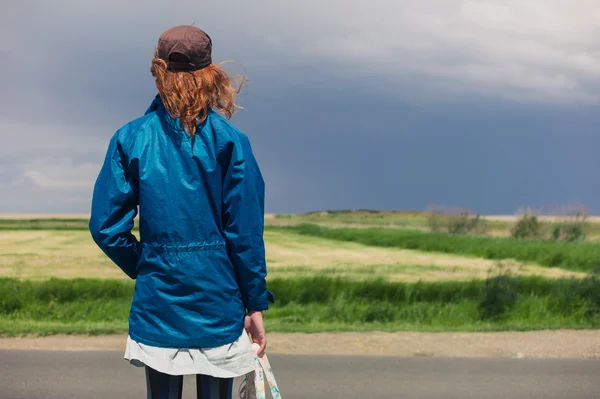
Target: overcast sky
491 105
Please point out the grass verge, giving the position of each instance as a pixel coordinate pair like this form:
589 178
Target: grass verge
85 306
576 256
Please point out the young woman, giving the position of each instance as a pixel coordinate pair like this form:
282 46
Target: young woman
199 264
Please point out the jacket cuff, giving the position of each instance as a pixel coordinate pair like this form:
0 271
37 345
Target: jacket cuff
258 304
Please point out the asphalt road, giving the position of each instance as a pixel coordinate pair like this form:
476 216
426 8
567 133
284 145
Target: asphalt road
95 375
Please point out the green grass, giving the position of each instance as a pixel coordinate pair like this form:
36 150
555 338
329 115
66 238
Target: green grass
43 224
324 304
577 256
416 220
15 328
46 224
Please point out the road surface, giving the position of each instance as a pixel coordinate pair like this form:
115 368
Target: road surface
103 374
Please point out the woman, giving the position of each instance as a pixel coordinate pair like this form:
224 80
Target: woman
199 265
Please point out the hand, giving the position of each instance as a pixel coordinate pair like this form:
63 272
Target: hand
253 323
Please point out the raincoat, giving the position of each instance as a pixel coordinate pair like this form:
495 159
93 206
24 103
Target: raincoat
199 263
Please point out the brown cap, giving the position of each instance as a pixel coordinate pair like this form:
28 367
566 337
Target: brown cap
185 48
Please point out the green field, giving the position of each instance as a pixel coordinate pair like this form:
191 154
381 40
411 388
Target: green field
578 256
324 304
53 278
496 226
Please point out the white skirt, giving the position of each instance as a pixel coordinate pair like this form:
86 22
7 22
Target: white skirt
227 361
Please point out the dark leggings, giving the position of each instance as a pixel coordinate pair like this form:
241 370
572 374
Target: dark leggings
165 386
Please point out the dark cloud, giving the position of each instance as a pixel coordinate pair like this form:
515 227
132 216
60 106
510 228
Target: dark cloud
366 149
346 109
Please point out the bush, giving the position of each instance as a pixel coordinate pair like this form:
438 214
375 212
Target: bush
454 221
568 232
573 228
434 220
527 227
463 223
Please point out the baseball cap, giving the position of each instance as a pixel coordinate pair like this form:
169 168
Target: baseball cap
185 48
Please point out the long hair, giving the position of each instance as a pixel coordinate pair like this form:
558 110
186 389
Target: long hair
188 96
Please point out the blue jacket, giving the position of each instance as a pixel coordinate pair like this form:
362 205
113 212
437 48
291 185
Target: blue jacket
200 262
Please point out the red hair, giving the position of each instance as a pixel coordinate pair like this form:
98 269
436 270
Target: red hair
189 95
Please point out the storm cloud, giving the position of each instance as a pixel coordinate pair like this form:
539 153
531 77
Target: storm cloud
491 105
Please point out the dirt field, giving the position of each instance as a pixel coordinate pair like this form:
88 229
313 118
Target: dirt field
583 344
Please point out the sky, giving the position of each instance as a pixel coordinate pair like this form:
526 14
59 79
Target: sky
487 105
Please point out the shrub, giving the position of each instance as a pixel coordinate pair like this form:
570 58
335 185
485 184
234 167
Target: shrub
434 220
527 227
573 228
462 223
568 232
454 221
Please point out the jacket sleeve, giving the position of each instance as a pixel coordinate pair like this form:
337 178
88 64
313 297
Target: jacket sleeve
243 223
114 207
